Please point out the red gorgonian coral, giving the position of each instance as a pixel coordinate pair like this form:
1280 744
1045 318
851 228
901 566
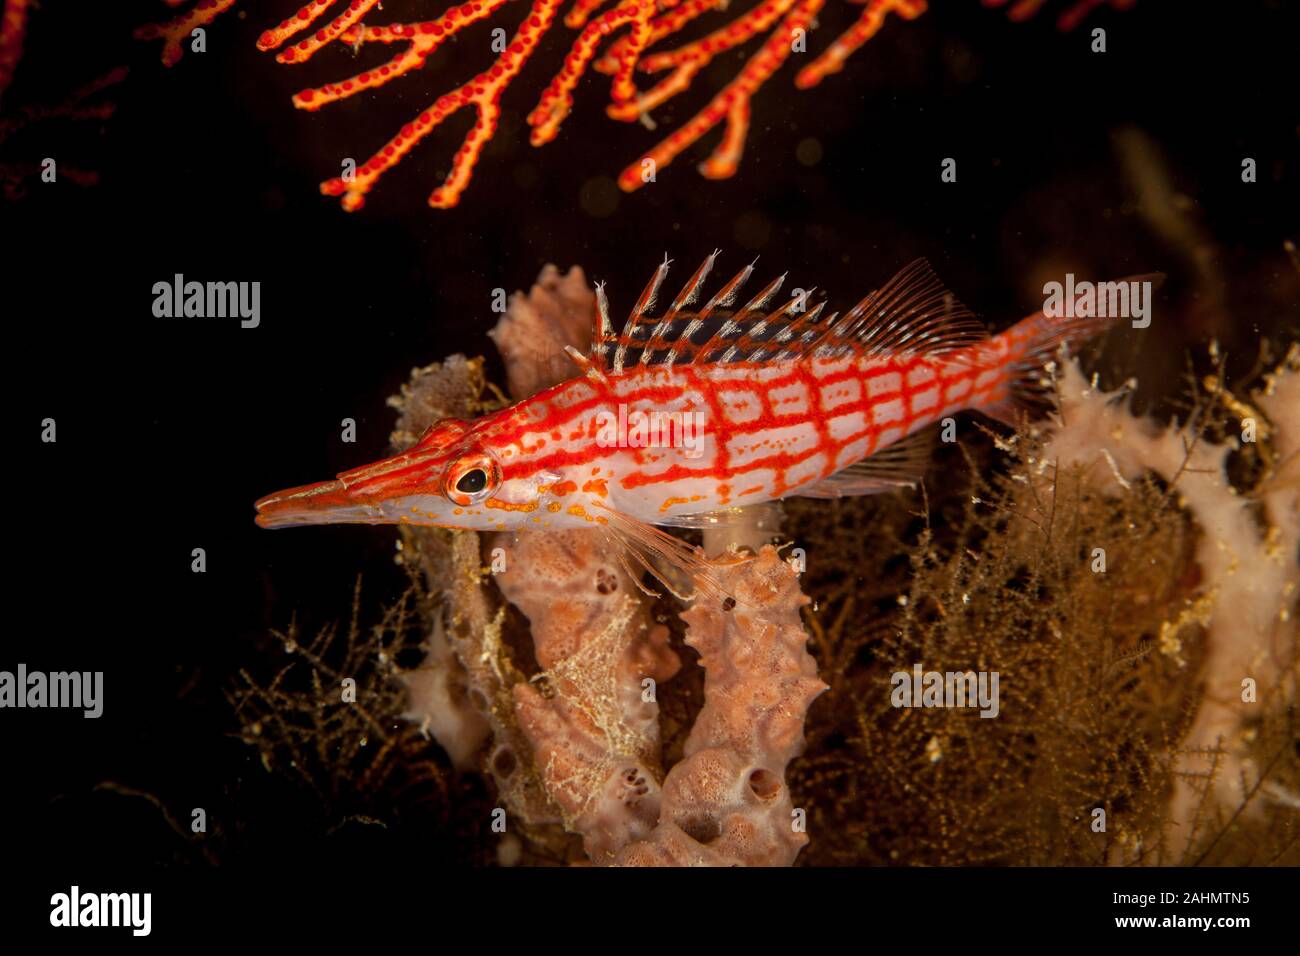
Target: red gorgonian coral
13 29
640 25
83 104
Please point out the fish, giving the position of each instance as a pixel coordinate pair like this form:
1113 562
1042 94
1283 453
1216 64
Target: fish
693 414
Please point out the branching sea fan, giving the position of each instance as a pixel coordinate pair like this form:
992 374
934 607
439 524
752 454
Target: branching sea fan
621 39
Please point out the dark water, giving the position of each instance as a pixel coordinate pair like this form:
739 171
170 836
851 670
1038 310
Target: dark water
168 430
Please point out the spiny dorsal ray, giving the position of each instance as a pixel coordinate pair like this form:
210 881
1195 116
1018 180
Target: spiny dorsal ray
910 314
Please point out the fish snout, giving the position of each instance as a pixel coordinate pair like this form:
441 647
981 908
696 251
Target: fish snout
390 491
325 502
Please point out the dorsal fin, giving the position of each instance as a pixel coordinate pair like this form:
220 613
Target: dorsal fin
589 368
911 314
639 322
722 300
602 335
687 297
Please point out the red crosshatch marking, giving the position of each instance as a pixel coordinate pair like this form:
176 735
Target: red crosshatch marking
650 388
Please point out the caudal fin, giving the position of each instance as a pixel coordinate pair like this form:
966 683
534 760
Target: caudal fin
1029 345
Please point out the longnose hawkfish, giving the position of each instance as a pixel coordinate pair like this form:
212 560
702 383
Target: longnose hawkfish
688 417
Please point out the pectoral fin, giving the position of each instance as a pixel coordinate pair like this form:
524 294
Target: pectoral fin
759 516
654 550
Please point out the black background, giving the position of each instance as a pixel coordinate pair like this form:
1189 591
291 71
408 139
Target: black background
169 429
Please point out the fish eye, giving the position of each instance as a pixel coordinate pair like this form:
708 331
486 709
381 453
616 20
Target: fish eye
472 482
471 479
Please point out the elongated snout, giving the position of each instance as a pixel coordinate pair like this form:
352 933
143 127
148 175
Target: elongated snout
325 502
378 493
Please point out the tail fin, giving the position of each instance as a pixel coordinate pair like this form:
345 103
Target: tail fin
1035 341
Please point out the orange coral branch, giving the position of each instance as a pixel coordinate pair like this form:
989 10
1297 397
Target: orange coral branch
13 29
647 22
483 93
557 100
1022 10
732 104
664 25
174 32
868 25
424 38
305 49
579 13
688 60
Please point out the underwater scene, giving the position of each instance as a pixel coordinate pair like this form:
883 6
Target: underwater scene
485 442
